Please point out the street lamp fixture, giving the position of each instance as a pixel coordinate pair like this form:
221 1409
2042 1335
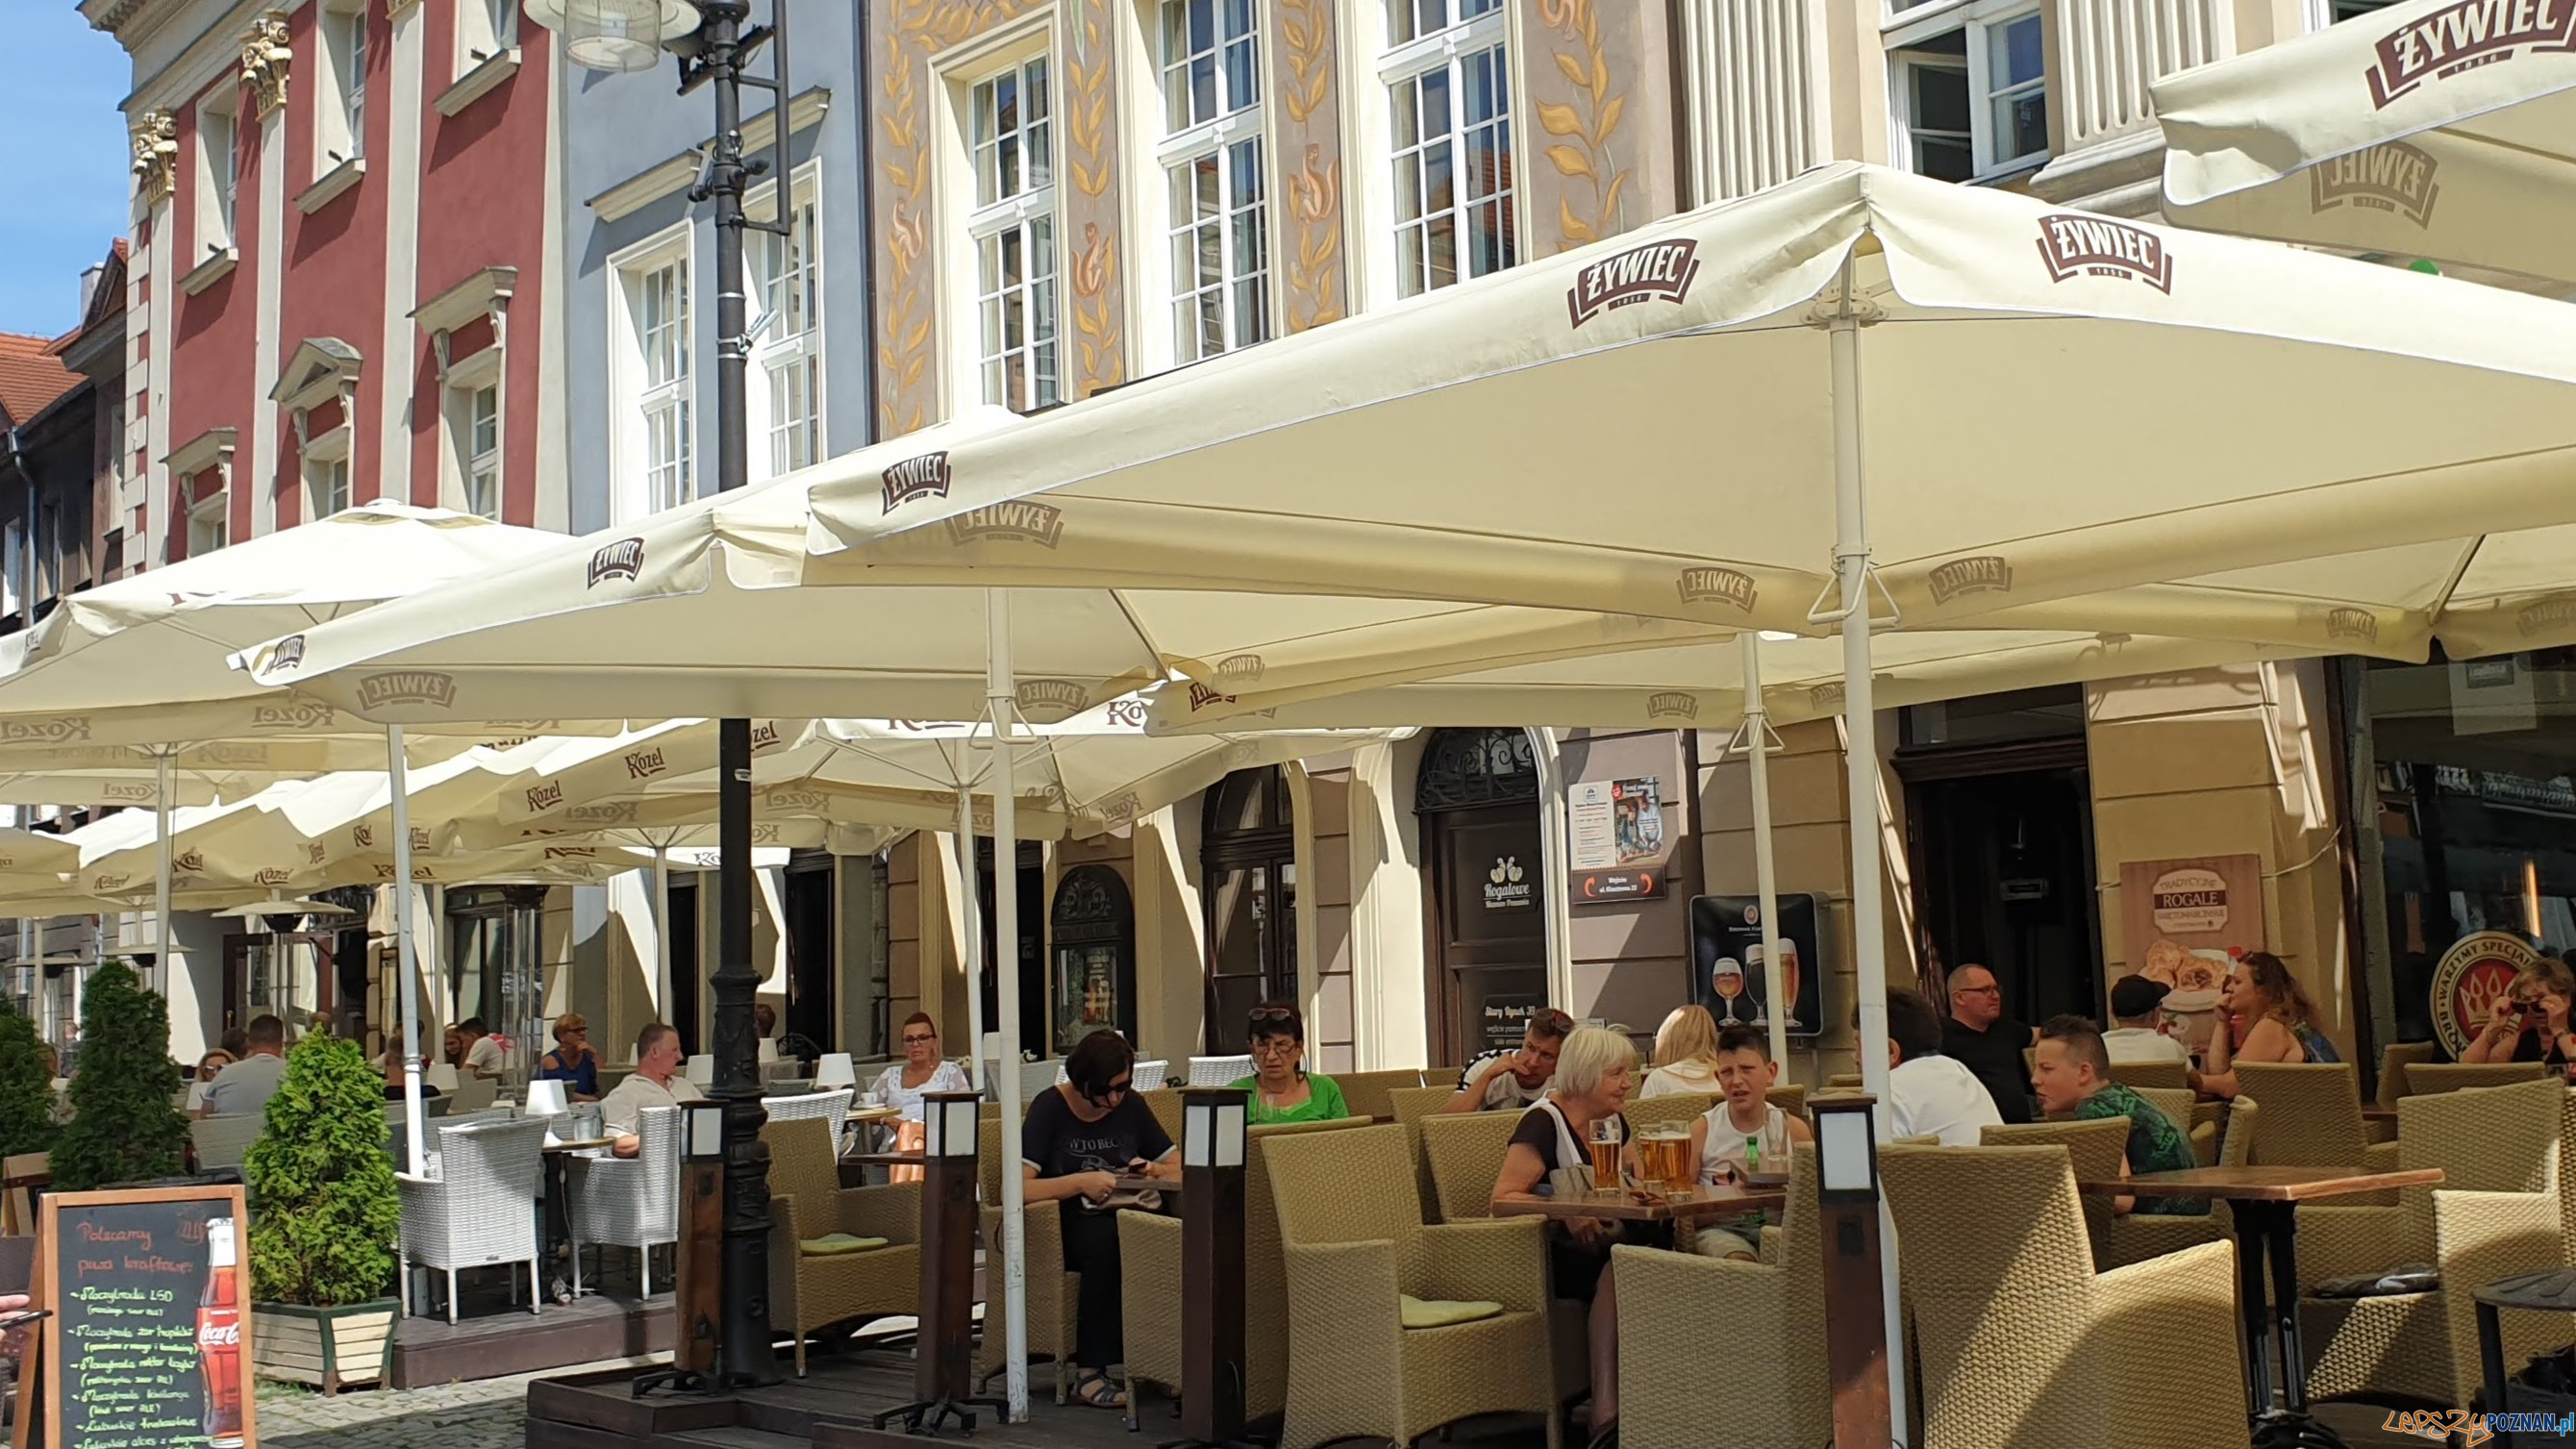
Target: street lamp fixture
619 36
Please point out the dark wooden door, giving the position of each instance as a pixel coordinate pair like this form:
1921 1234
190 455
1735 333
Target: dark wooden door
1489 926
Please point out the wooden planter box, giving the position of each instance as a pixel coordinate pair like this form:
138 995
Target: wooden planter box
329 1347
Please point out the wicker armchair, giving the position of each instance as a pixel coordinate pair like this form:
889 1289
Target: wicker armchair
1678 1110
480 1209
1466 1155
1414 1106
1791 1099
224 1141
1218 1071
1166 1107
2312 1118
2396 1062
2022 1343
2152 1074
832 1106
1149 1259
2425 1078
628 1202
2177 1103
2495 1215
1050 1291
1369 1094
1354 1370
2093 1149
1774 1389
808 1290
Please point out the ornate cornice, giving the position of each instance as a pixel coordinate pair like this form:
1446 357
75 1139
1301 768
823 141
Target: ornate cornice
155 138
265 58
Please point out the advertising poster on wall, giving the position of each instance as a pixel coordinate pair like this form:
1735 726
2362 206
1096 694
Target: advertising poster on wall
1730 975
1616 847
2473 981
2182 921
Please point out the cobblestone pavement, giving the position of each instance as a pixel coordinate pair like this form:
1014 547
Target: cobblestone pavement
490 1414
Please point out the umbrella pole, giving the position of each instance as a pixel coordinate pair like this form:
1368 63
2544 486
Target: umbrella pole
1860 759
160 982
398 785
1757 741
661 935
1002 695
970 945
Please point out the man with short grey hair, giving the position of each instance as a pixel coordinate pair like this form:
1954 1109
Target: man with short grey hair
243 1089
656 1083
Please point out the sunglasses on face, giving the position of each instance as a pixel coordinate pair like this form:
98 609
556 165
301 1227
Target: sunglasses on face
1273 1013
919 1040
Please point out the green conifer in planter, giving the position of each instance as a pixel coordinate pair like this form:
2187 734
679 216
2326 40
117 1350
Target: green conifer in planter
26 1088
325 1214
123 1127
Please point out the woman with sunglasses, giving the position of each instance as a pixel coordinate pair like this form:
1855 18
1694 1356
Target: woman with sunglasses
901 1087
2528 1020
1281 1087
1078 1140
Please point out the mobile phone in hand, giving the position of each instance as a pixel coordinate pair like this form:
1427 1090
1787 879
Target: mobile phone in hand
24 1317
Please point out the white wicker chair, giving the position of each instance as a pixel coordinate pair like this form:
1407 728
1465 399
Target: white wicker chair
473 1094
832 1107
480 1209
1152 1076
1215 1071
631 1202
223 1141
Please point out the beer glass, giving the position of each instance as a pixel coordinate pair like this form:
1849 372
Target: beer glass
1788 982
1605 1153
1729 980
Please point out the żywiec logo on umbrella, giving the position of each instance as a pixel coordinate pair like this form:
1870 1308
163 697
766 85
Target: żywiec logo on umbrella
1706 585
407 686
1018 521
1051 701
1672 704
922 477
2458 37
2097 246
2548 614
1984 574
2359 625
1246 668
2392 177
1657 271
1824 698
288 655
623 559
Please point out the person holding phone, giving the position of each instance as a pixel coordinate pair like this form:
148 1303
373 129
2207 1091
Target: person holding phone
1078 1138
2528 1021
18 1320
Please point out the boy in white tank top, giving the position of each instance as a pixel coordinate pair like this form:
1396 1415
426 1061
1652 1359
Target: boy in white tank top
1742 1136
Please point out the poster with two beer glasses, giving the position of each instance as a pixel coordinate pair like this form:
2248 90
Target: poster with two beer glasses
148 1345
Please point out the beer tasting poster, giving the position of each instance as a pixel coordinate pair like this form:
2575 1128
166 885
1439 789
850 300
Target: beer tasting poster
2181 923
149 1343
1615 841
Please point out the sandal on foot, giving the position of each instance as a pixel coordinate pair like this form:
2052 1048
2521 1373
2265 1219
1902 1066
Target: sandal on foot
1096 1391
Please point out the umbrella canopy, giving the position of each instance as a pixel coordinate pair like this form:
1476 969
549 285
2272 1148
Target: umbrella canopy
1647 425
2431 128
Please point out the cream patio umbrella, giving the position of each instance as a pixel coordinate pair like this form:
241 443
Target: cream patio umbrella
2443 129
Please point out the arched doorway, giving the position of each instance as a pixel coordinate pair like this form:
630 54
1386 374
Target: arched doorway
1249 854
1093 934
1477 797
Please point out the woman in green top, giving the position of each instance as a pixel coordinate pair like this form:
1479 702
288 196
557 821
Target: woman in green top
1281 1087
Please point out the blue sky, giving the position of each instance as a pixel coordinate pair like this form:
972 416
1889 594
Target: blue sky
64 143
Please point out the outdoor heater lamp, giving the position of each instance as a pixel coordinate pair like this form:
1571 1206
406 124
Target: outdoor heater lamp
1212 1128
702 1131
949 1126
1846 1147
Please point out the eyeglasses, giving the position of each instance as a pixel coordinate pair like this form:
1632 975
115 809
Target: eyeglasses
919 1040
1274 1013
1119 1088
1269 1045
1552 1022
1980 990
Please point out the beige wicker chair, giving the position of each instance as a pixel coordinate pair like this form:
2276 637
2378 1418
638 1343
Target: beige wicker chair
1369 1094
1791 1099
2143 1075
1354 1370
1680 1109
2396 1062
2312 1118
1466 1155
1773 1388
2136 1237
1149 1258
1050 1293
2094 1148
1414 1106
2021 1343
2425 1078
1166 1107
1841 1080
807 1201
2495 1215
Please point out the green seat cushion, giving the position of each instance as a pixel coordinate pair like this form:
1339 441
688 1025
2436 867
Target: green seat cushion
1438 1313
833 1244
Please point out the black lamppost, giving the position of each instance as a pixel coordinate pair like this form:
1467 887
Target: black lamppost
713 41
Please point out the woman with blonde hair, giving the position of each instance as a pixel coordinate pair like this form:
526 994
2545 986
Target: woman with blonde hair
1550 1153
2280 1023
1685 1055
2527 1022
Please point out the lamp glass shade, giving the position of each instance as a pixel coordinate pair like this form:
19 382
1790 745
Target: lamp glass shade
546 1099
613 35
1198 1129
705 1122
963 1127
1229 1132
1843 1155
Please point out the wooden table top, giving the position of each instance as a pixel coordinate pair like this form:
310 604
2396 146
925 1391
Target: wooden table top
1134 1182
581 1144
1628 1207
875 1114
888 1159
2267 1184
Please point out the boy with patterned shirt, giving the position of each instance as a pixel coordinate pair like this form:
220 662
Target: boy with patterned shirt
2071 1071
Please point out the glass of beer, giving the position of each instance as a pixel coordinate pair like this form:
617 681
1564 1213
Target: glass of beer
1788 1007
1605 1154
1664 1157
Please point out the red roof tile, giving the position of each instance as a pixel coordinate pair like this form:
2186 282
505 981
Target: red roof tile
32 375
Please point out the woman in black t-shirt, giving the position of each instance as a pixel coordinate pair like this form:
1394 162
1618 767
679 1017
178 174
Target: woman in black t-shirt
1076 1142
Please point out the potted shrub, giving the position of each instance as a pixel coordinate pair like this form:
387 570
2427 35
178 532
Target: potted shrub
123 1127
26 1088
324 1215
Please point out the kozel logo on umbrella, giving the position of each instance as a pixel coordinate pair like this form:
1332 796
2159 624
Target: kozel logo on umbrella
922 477
2458 37
644 764
1657 271
623 559
2393 177
1984 574
303 715
63 729
547 796
2096 246
1717 586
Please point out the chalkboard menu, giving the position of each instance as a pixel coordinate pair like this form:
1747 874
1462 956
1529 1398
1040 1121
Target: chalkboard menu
149 1344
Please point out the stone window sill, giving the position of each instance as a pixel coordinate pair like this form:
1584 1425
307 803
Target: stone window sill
479 82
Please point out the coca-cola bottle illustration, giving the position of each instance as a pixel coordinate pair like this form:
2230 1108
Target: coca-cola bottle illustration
219 1337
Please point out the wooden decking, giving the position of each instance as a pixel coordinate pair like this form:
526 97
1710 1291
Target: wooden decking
497 1342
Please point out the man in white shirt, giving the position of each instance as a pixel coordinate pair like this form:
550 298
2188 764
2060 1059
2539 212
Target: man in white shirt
1928 1094
656 1083
243 1089
1506 1081
482 1053
2137 1005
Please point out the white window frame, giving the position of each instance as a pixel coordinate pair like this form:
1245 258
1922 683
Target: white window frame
777 353
975 222
486 31
1977 20
2321 13
467 379
341 38
635 404
218 173
328 471
1224 136
210 523
1404 64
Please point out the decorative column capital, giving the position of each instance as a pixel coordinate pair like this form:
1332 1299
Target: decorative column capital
155 139
265 58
